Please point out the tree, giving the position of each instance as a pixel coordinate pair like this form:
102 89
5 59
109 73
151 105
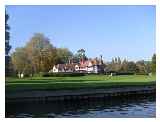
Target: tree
116 65
20 61
64 55
154 63
7 35
81 54
124 67
148 67
141 67
38 55
7 47
41 53
119 61
131 67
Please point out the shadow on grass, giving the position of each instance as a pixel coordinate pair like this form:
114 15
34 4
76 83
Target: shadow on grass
50 81
72 86
56 79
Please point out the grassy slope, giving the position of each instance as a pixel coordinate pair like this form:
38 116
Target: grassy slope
90 81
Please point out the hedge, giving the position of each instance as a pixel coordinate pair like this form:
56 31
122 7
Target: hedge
66 74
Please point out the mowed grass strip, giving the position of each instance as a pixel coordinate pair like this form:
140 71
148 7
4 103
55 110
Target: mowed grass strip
89 81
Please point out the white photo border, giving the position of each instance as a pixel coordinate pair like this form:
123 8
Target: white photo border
76 2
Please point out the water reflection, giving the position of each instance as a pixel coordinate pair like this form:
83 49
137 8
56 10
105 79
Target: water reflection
135 106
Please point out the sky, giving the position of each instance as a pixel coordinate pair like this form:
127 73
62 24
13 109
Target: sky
111 31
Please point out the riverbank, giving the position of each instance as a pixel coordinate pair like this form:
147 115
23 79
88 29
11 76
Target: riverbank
78 94
42 95
84 87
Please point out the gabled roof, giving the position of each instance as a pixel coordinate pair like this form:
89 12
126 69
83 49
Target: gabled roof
92 61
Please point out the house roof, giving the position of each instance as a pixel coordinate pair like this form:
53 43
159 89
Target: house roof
92 61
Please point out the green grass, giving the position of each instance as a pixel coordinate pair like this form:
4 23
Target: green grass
89 81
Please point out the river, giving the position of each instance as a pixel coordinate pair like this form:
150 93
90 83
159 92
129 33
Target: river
114 107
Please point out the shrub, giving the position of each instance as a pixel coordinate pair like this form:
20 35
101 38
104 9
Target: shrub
66 74
141 73
120 73
125 73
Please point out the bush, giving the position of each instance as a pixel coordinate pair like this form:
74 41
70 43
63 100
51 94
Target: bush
141 73
95 74
36 75
66 74
125 73
120 73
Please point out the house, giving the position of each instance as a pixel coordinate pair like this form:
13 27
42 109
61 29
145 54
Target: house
84 66
64 68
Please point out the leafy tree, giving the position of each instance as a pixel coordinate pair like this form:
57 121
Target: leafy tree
148 67
64 55
41 53
81 54
131 67
141 67
124 67
7 47
119 61
7 35
20 60
154 63
116 65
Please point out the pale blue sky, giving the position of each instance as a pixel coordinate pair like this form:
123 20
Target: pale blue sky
125 31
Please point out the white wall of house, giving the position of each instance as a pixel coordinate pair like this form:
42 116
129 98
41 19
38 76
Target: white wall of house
62 70
55 69
83 68
76 68
95 69
90 69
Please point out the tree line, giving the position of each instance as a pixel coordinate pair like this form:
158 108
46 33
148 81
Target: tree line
138 67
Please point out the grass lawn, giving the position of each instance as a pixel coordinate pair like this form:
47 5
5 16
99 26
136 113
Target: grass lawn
88 81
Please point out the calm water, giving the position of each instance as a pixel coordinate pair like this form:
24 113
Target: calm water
137 106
